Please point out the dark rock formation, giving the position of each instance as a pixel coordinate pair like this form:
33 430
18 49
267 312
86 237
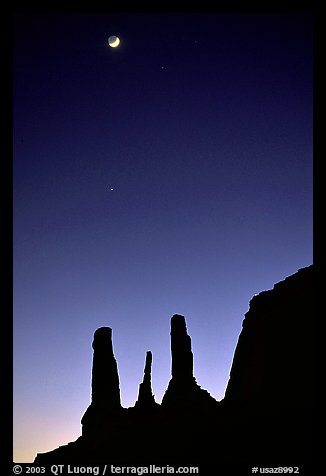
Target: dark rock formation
145 396
105 381
183 390
105 377
182 357
264 420
274 357
271 387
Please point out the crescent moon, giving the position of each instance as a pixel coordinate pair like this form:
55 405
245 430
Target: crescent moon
114 41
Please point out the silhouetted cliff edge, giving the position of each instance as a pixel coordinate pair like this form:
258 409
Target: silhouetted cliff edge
265 418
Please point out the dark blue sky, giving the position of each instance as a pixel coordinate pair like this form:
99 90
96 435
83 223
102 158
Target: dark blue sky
202 126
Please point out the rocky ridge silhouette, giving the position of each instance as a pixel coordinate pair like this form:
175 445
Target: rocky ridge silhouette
265 418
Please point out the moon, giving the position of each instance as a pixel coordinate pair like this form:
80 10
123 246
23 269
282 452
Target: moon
114 41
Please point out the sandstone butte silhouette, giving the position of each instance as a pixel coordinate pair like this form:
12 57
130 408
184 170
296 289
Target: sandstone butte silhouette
265 418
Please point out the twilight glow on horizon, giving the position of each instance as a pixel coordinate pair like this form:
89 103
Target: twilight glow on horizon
153 178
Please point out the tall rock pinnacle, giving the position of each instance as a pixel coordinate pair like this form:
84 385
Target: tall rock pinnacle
105 378
145 395
182 357
105 384
183 391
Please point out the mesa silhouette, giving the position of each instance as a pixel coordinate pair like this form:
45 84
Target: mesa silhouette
265 417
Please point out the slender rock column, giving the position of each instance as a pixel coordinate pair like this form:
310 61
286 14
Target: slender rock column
145 395
105 377
183 391
182 356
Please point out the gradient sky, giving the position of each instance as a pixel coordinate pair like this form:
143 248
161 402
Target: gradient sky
202 126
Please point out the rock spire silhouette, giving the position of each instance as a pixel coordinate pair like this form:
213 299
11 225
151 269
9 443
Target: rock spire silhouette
105 377
183 390
105 398
145 394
